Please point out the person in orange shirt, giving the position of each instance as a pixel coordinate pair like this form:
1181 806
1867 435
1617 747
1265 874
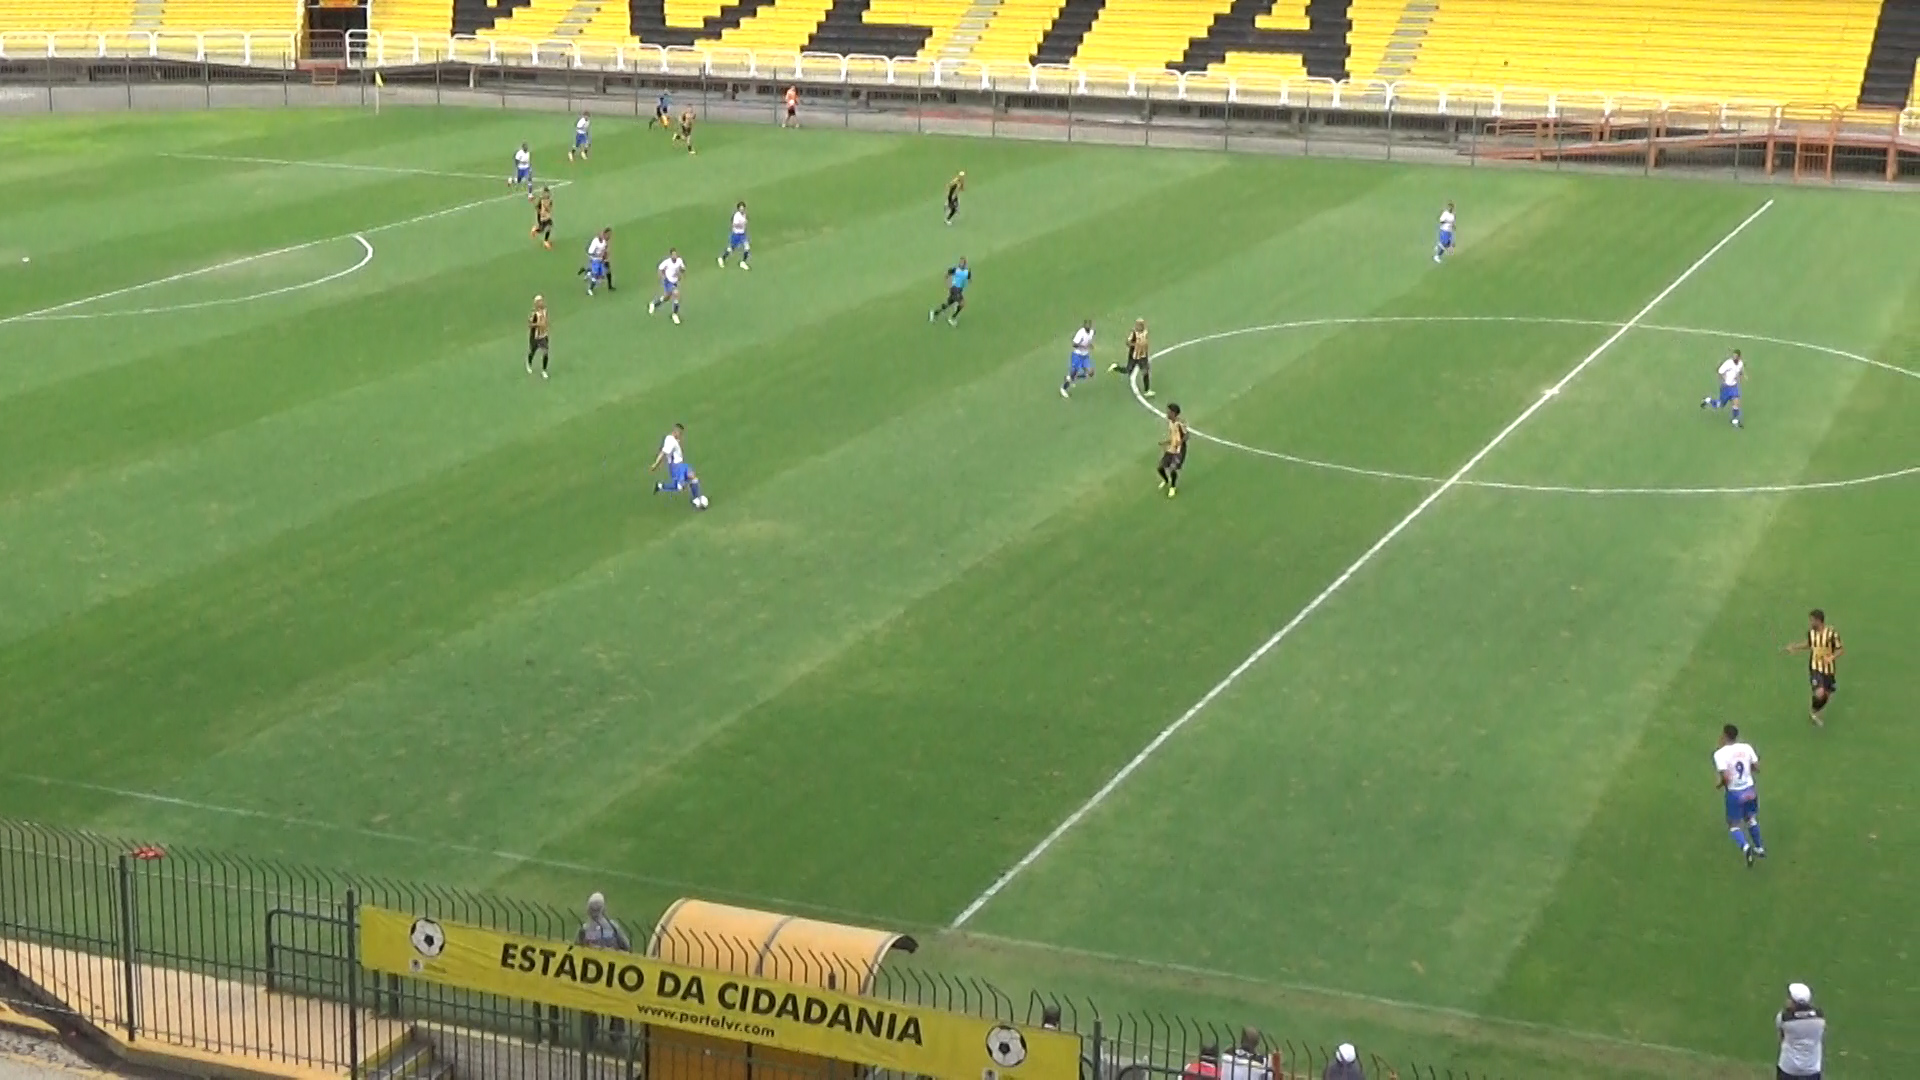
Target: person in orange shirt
793 108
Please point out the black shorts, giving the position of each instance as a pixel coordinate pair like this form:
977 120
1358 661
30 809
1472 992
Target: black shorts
1822 680
1139 363
536 343
543 226
792 110
956 296
1783 1074
1173 461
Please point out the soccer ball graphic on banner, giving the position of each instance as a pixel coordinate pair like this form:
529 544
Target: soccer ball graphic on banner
427 937
1007 1047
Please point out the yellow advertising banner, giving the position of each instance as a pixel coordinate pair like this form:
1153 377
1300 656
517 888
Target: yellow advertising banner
867 1031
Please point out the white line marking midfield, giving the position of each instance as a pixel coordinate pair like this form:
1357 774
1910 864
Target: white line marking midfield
1046 843
1543 489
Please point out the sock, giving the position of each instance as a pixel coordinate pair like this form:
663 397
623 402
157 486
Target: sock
1753 831
676 307
1819 702
1146 381
1066 384
696 492
609 279
1739 836
544 357
1173 478
1736 414
1162 474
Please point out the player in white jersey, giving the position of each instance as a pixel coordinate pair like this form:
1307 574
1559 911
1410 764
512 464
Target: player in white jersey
680 474
597 259
737 239
523 169
671 268
1079 358
1444 243
1732 371
582 136
1736 763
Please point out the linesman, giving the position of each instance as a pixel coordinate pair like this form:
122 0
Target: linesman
1139 358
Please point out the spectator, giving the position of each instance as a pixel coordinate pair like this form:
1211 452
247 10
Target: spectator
1345 1065
1803 1033
1050 1018
1208 1065
600 932
1247 1061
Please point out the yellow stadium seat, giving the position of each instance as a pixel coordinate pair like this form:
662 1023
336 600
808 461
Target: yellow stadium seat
538 21
202 15
1803 51
65 15
1014 35
426 18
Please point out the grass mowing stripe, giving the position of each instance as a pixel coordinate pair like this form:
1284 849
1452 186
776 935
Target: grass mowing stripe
1159 740
345 166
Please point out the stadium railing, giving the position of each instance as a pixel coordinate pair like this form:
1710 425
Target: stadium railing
253 959
373 50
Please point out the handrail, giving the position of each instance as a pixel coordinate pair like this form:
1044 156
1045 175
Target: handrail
376 49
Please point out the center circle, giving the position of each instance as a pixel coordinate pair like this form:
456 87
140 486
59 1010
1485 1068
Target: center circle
1545 489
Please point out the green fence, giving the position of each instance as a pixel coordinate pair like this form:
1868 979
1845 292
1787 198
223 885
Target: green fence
239 955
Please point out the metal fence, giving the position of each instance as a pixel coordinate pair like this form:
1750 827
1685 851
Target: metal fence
227 954
1760 144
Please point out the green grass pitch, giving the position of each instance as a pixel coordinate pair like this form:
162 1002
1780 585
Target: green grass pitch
300 561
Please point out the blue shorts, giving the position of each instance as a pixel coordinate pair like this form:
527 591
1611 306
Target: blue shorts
1729 393
522 173
678 475
1742 805
1080 363
597 267
581 139
669 288
1446 239
736 241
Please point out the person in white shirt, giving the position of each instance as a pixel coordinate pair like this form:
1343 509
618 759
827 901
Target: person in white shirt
1444 243
523 169
680 474
1803 1035
1736 763
671 268
1247 1061
737 239
1732 370
582 136
1080 359
597 259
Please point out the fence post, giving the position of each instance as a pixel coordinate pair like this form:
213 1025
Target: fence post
127 976
353 984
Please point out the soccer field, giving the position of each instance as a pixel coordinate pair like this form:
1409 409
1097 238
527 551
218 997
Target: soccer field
1394 727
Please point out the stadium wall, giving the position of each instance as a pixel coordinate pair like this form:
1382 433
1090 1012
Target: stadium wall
1396 122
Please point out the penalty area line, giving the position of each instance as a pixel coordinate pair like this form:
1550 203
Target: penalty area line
1420 509
41 314
343 166
366 257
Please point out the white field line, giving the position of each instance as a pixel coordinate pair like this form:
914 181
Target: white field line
1079 814
365 258
1544 489
344 166
42 313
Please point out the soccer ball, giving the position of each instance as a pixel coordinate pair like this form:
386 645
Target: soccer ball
1006 1046
700 502
429 940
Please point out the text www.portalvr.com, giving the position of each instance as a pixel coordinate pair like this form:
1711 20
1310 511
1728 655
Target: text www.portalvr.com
720 1025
